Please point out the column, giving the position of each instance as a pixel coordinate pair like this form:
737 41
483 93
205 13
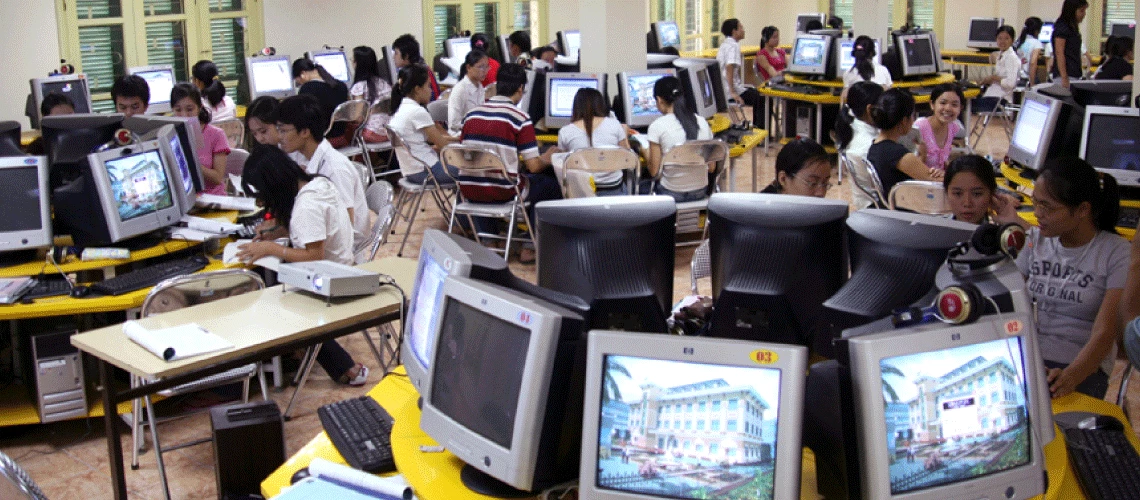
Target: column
872 19
613 37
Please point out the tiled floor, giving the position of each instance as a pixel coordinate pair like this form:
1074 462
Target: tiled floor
69 459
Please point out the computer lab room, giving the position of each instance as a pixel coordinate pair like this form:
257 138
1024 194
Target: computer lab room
596 249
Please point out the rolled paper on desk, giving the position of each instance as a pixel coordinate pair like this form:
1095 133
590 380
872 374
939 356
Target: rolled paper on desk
172 344
394 486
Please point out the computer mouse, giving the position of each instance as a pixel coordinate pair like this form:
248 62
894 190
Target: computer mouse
1105 422
80 291
301 473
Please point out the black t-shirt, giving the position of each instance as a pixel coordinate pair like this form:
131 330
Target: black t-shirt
885 156
1115 68
330 96
1072 37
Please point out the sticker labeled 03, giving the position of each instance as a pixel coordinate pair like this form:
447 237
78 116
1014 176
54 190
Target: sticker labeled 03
764 357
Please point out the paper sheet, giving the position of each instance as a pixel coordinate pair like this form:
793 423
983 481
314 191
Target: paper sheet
229 256
225 202
394 486
210 225
176 342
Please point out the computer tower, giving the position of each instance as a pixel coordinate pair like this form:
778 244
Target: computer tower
249 444
799 120
57 372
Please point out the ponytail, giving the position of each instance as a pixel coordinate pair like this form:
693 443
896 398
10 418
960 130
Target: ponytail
1032 27
411 77
859 96
863 51
213 89
894 106
1109 212
1073 181
669 90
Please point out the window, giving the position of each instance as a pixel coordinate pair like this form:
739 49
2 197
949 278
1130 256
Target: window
1123 11
688 424
993 377
713 448
982 400
688 444
699 20
699 448
730 452
733 404
716 406
702 406
731 426
689 408
844 9
921 13
714 425
676 424
445 19
105 37
700 425
677 408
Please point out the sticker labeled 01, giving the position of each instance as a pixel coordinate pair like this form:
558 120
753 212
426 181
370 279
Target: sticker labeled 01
764 357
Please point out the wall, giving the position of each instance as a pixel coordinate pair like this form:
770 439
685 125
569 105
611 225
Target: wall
31 43
296 26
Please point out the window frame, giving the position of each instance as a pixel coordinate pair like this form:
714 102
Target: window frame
538 29
708 33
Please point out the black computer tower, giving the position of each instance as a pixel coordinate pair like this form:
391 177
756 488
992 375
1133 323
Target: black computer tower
249 444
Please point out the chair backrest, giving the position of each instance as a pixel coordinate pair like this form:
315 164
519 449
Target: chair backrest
701 265
865 178
15 483
478 166
378 235
924 197
378 195
235 161
192 289
403 153
382 107
596 161
234 129
692 155
365 173
438 110
353 111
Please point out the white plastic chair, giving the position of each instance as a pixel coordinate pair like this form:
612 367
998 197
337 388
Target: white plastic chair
235 131
411 194
352 111
382 107
924 197
864 178
693 156
592 161
478 166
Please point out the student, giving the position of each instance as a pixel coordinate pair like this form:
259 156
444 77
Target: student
893 114
367 85
204 75
406 51
131 95
678 123
468 93
814 24
865 68
971 188
1075 266
300 122
56 104
591 126
938 130
412 123
1007 70
186 102
1067 41
479 41
261 120
855 131
1030 49
518 49
802 168
728 55
319 229
835 23
544 58
770 59
313 79
1117 51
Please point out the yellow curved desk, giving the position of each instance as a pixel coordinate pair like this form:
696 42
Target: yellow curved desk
902 84
1019 183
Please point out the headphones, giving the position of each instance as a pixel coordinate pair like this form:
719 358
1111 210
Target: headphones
958 304
992 239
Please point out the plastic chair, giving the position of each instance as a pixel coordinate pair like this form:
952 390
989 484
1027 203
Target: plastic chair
693 156
479 167
596 161
1007 112
701 265
438 110
352 111
924 197
382 107
378 196
411 194
864 178
178 293
234 129
15 483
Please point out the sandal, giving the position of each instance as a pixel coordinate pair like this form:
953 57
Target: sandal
361 377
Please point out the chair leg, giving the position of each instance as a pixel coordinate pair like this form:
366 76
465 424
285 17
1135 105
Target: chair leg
411 220
245 390
373 348
137 438
157 447
1122 395
304 374
510 235
261 380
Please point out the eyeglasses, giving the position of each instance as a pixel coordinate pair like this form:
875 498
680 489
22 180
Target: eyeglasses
484 66
814 183
284 129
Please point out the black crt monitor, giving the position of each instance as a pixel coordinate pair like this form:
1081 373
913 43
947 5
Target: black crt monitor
1046 34
713 73
775 260
811 55
270 75
802 21
25 222
570 42
635 89
918 54
1047 127
68 139
844 58
335 61
663 34
1102 92
73 86
560 91
388 69
983 32
614 252
1110 142
160 80
691 417
457 48
10 139
189 136
1127 29
504 393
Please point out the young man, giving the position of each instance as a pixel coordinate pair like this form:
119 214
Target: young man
731 61
131 95
301 126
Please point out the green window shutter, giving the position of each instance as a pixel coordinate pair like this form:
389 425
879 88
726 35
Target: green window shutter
166 44
101 59
922 13
844 9
162 7
1122 11
487 19
227 39
446 22
226 5
98 9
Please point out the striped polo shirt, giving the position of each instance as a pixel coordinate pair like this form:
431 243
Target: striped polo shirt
502 127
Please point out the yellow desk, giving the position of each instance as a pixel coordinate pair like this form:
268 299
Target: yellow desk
1017 182
259 324
27 136
930 81
747 143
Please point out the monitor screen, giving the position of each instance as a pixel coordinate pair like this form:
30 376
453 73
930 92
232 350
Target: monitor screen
668 35
183 164
918 52
139 184
571 42
74 87
423 312
20 190
707 98
1124 29
336 63
955 414
457 48
637 95
809 52
1031 123
802 21
270 75
560 96
1116 143
160 81
983 32
1046 34
846 60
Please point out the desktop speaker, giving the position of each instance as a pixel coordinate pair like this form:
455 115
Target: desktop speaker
249 444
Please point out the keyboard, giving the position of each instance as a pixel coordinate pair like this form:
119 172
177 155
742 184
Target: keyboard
1105 463
361 430
1129 217
150 275
46 287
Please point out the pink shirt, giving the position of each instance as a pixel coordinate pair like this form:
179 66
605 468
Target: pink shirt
937 156
779 62
214 142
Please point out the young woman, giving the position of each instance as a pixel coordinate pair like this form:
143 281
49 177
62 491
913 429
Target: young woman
367 85
678 123
319 229
591 127
802 168
972 191
204 75
412 123
186 102
893 114
315 80
1117 51
938 130
261 120
865 68
1007 70
855 131
468 93
1067 42
771 59
1030 49
483 42
1075 267
406 51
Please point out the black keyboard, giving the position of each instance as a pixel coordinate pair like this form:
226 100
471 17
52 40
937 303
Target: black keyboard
45 287
1105 463
1129 217
150 275
361 430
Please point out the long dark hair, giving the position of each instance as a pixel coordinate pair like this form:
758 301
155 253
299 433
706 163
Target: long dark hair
894 106
302 65
796 155
971 164
472 58
863 51
411 77
265 109
1032 28
272 177
207 73
859 96
1069 13
1073 181
588 104
766 34
669 90
185 90
366 69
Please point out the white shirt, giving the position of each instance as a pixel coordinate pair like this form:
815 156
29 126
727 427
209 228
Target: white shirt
882 76
376 122
319 215
608 133
861 140
329 162
1030 44
729 53
1008 67
225 110
465 96
408 122
668 133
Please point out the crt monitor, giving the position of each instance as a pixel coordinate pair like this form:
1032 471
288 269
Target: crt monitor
73 86
388 69
10 138
270 75
945 410
179 166
505 387
504 44
918 53
1046 127
160 79
68 139
802 21
1046 34
843 48
1126 28
189 136
560 91
457 48
698 88
810 55
335 61
614 252
570 41
663 34
691 417
775 260
25 222
1110 142
714 75
1102 92
983 32
636 91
